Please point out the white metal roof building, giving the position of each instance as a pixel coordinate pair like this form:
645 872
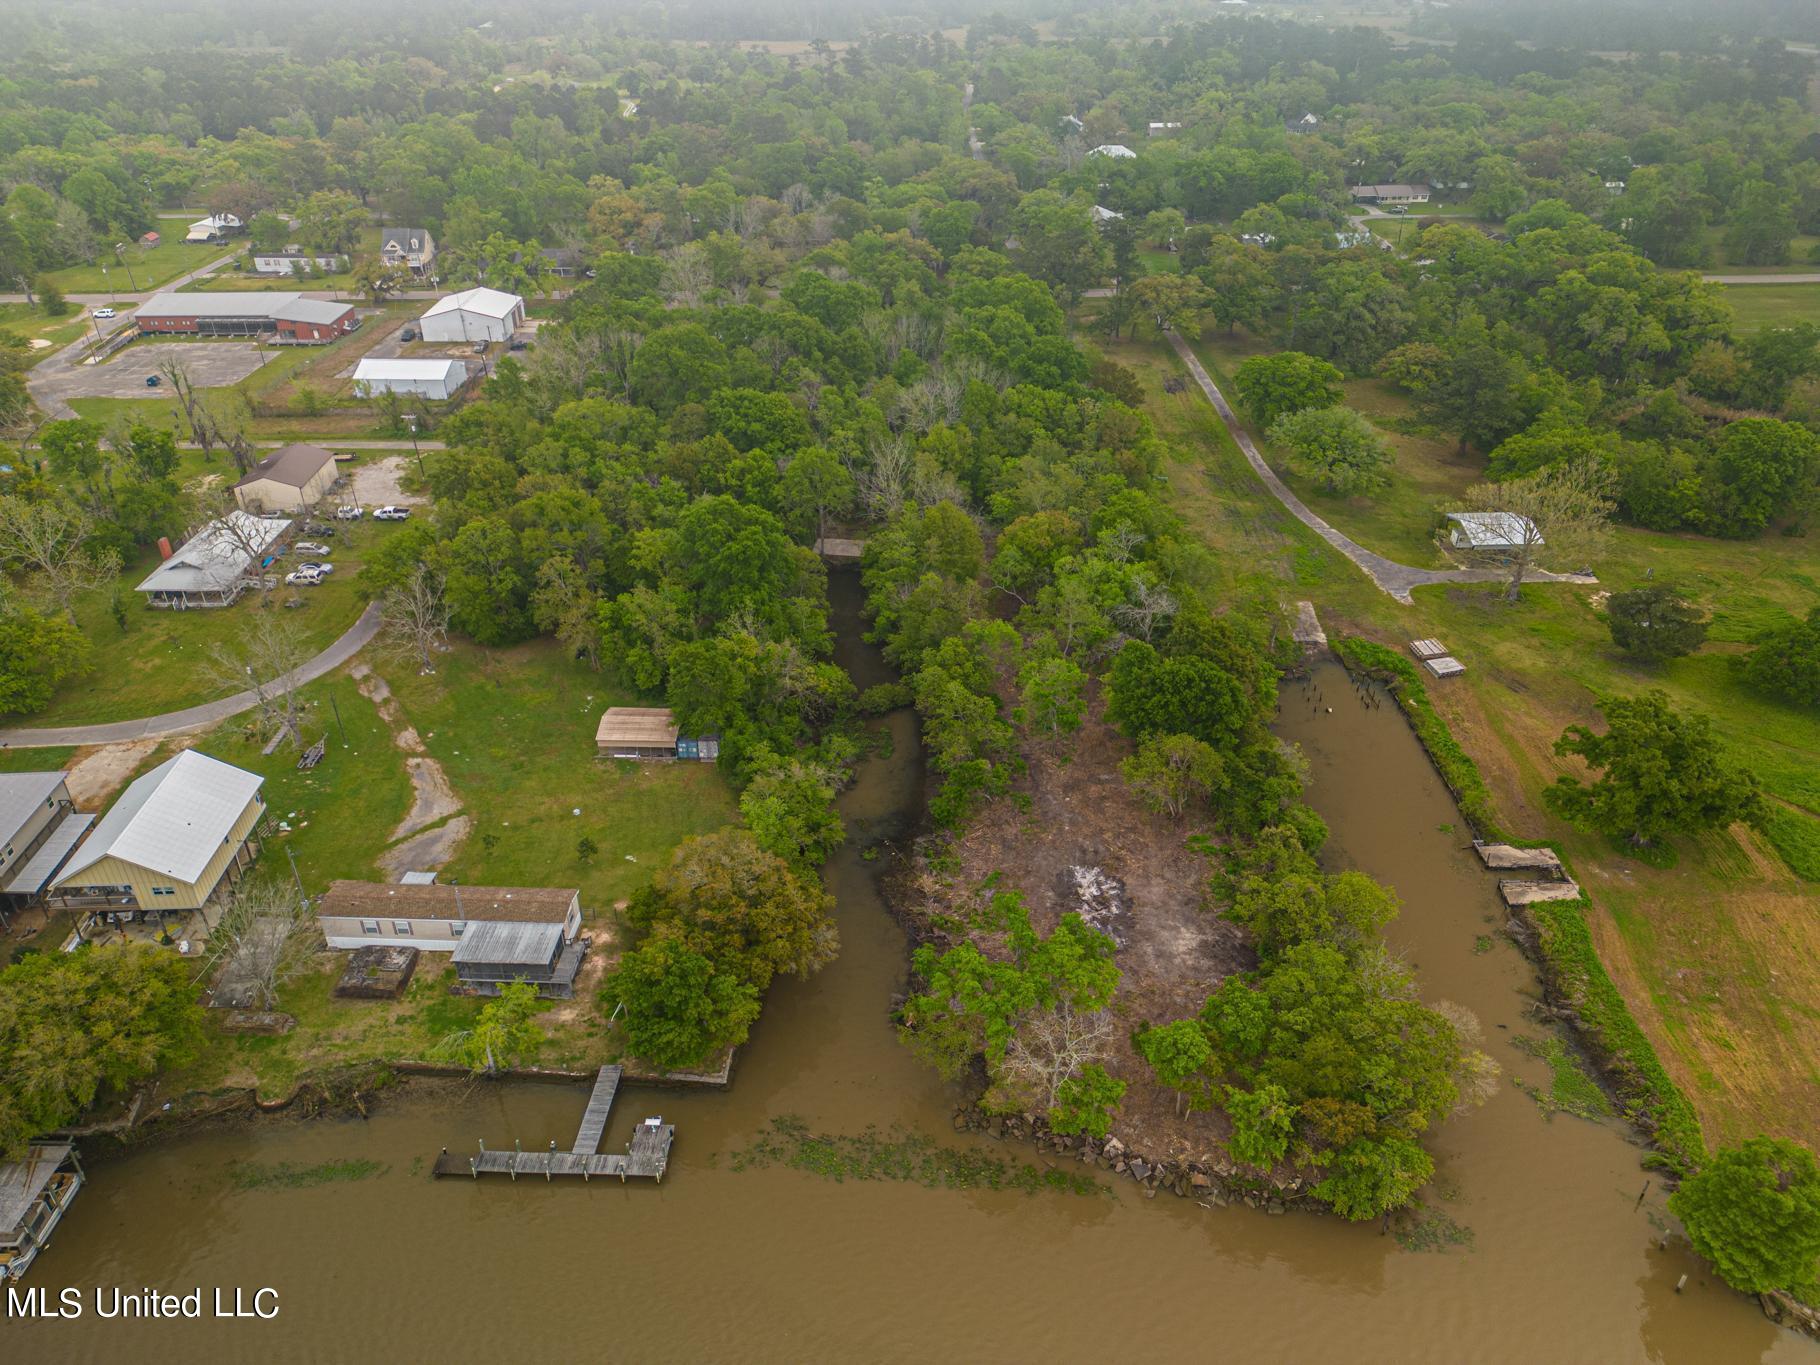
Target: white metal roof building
214 566
171 836
213 228
474 315
434 377
1116 150
1493 531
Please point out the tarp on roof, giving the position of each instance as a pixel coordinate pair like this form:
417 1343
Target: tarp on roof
172 820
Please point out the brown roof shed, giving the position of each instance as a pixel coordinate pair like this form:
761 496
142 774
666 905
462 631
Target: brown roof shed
511 904
292 465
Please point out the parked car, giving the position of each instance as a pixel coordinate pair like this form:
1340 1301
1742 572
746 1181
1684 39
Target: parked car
305 577
391 513
1397 208
321 566
104 312
152 381
352 512
518 344
320 528
311 547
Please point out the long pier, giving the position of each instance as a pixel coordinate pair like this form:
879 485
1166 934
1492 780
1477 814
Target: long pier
645 1157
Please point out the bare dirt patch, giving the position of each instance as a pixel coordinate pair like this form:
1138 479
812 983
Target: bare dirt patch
377 482
94 775
422 840
427 851
432 799
1073 838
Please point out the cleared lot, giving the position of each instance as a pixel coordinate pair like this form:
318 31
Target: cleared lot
211 364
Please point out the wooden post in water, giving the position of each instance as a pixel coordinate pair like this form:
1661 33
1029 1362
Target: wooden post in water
550 1161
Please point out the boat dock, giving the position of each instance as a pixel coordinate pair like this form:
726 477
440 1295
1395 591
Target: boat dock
645 1157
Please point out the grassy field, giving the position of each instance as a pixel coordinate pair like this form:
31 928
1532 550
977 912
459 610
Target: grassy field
1718 956
34 324
158 663
1756 306
514 730
142 270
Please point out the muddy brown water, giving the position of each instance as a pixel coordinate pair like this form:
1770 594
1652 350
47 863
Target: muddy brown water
773 1265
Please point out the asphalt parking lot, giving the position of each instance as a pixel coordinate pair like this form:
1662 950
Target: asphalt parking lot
211 365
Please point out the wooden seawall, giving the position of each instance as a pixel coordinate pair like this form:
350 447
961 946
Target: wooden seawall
646 1156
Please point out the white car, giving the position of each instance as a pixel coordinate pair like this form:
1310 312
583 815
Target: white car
391 513
321 566
350 513
311 547
304 578
104 312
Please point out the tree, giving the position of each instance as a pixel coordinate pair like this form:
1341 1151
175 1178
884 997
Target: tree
1178 1053
1050 1048
414 618
1273 386
789 807
1786 661
51 300
1263 1120
1565 507
1762 225
1085 1103
1754 1211
504 1033
1337 446
71 1024
1759 469
1655 622
331 221
815 486
1058 243
50 540
268 231
262 659
38 654
1175 303
1169 771
676 1007
267 936
1052 693
1660 774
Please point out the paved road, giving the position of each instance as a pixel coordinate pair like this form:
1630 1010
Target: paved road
1811 277
1394 578
197 717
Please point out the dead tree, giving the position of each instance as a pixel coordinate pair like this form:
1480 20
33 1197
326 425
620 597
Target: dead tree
414 618
50 541
1050 1046
263 660
266 936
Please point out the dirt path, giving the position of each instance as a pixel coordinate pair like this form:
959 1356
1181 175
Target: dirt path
434 828
94 775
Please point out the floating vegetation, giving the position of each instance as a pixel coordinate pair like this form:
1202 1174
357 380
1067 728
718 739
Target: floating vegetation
1570 1089
1432 1229
1483 943
287 1175
902 1156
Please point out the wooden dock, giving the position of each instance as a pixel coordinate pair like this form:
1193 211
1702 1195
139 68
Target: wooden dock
646 1157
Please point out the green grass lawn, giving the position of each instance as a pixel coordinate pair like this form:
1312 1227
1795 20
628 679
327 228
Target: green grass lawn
514 730
34 324
233 280
1756 306
158 663
1718 956
35 760
142 270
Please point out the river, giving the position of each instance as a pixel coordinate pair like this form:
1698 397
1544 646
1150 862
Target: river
768 1264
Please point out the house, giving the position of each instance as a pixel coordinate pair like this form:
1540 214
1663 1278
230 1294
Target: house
1258 238
412 248
312 321
1118 151
1345 241
171 841
474 315
214 566
1614 187
1103 216
1308 123
1493 531
290 479
1071 124
34 1192
216 227
1390 194
434 377
565 262
495 933
646 732
1158 129
295 261
290 317
38 828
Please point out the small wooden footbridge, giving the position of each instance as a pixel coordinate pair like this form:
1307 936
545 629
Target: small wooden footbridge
645 1157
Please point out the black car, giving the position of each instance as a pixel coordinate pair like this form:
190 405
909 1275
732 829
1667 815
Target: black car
408 334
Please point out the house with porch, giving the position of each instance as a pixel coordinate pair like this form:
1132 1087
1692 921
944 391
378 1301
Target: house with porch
176 838
214 566
412 248
39 827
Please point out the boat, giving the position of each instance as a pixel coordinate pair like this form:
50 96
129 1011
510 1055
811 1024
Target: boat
34 1192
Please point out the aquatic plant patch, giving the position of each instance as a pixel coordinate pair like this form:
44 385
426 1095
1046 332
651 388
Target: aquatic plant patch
901 1156
1570 1090
288 1175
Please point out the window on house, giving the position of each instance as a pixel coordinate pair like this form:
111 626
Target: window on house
164 890
456 927
402 927
369 926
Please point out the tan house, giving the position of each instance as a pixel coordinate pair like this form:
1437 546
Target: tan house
171 841
435 916
38 828
290 479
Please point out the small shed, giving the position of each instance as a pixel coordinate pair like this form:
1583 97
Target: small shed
636 732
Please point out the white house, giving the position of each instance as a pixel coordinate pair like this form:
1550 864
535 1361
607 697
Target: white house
474 315
1118 151
410 247
436 916
1391 194
1103 215
216 565
296 261
213 228
1493 531
433 377
1071 123
1157 129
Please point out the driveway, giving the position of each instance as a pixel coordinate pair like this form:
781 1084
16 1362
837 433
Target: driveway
376 482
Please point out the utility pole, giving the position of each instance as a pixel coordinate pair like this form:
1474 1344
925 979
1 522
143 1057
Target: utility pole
120 255
411 421
295 875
